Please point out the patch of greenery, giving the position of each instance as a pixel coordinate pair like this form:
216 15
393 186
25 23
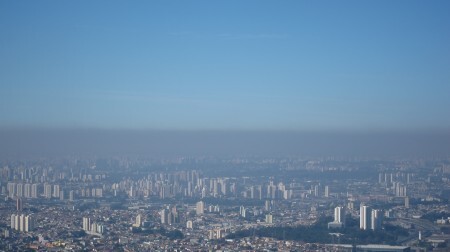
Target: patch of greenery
319 233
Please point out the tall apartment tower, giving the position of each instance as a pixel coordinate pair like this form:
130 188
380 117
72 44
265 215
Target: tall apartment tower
86 223
364 217
71 195
376 219
316 190
34 190
19 204
28 223
27 190
200 208
48 191
339 215
15 221
138 221
327 191
242 211
164 216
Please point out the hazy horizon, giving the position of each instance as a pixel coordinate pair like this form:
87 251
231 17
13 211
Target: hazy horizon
169 143
224 78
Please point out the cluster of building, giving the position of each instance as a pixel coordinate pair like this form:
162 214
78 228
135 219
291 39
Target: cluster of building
370 218
92 228
22 222
138 209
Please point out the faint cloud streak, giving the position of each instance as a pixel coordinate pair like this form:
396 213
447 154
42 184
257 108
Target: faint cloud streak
251 36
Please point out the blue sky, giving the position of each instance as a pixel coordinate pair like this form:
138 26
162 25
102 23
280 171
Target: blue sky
251 65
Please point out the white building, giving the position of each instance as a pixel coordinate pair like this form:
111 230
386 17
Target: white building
200 208
364 217
339 218
138 221
327 191
23 223
86 224
339 215
189 224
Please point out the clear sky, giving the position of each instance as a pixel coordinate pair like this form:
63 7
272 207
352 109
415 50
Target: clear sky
277 65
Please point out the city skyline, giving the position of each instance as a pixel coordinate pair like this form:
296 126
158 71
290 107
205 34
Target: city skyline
233 125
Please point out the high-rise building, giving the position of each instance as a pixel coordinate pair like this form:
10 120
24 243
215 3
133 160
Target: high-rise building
86 223
22 223
316 190
34 191
17 222
19 191
400 190
48 191
138 221
131 192
200 208
267 205
204 192
11 189
339 218
174 215
71 195
339 215
29 223
19 204
218 233
223 186
13 221
327 191
269 218
243 211
99 192
211 234
364 217
100 228
27 191
170 218
271 191
252 192
376 219
215 187
56 191
164 216
93 228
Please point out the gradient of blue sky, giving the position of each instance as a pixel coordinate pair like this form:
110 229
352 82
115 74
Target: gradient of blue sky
225 64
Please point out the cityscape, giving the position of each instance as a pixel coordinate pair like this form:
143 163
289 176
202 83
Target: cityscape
324 204
237 125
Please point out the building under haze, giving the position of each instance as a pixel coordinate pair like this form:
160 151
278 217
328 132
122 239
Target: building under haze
364 217
22 223
339 218
200 208
376 219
